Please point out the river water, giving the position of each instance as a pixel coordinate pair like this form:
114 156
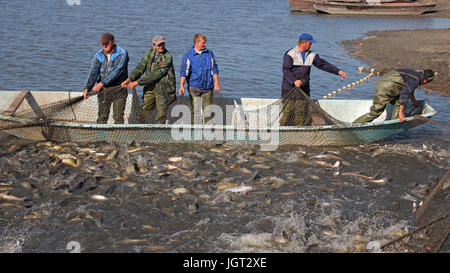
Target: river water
49 45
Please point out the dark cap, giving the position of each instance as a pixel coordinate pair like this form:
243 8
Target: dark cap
106 37
306 37
428 75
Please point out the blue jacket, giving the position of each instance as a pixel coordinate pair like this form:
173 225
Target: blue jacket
412 79
297 68
199 68
112 73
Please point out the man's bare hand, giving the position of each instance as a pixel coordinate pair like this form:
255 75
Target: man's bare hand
298 83
85 93
125 83
97 87
342 74
217 86
132 85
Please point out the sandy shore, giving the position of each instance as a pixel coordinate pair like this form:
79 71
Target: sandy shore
416 49
442 9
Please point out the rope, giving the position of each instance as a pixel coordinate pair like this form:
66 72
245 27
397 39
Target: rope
372 72
416 230
71 107
431 120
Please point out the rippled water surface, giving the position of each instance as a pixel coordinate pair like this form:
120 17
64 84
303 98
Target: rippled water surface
49 45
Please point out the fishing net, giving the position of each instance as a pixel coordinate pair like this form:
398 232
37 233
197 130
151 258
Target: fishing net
433 223
60 120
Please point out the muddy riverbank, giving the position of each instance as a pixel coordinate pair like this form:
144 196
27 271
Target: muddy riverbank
416 49
211 198
442 9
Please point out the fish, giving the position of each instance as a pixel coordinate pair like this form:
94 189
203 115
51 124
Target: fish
358 175
133 149
241 188
71 162
158 248
57 147
314 177
171 167
33 216
64 156
27 185
98 197
221 161
44 144
86 150
112 155
337 164
380 181
262 166
150 228
378 152
6 205
326 164
409 197
13 198
241 170
276 182
133 242
260 158
175 159
178 191
186 173
5 188
218 150
325 156
305 162
225 185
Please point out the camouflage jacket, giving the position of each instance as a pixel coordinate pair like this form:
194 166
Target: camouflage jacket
159 74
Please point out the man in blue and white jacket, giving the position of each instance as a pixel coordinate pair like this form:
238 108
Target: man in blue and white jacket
199 69
297 63
109 70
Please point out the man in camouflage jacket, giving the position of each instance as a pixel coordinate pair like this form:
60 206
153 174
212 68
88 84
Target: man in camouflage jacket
159 80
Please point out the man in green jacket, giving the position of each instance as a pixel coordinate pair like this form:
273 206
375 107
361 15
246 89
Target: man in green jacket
159 80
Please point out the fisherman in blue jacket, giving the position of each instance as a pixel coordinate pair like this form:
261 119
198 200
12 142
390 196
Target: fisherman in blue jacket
297 63
199 70
396 88
109 70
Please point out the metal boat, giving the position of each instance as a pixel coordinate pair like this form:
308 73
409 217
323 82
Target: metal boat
374 7
259 126
302 5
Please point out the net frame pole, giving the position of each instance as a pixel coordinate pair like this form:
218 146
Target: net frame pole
24 94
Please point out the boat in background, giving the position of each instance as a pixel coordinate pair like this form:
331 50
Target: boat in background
372 7
302 5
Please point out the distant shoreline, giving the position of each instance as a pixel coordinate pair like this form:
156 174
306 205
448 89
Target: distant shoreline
442 9
415 49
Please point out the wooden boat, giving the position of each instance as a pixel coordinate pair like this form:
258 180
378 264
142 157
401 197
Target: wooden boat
302 5
374 7
79 123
